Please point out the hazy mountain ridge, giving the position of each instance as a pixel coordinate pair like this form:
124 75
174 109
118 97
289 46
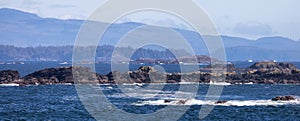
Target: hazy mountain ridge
24 29
64 53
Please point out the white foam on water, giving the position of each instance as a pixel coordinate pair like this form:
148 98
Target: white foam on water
10 85
229 103
261 103
146 93
150 94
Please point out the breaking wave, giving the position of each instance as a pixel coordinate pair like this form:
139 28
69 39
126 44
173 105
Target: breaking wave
228 103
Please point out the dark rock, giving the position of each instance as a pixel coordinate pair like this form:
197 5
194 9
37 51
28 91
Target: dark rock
146 69
62 75
283 98
181 102
167 101
221 102
9 76
174 78
267 73
273 65
140 77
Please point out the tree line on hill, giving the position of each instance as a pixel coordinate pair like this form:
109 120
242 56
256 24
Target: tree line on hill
64 53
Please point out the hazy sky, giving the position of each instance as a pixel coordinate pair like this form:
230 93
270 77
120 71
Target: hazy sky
243 18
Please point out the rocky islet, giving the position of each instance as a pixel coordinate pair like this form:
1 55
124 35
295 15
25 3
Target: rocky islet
258 73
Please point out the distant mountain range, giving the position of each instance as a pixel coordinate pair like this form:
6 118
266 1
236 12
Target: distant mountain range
24 29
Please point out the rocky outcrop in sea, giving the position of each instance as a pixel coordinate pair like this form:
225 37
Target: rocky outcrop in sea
283 98
9 76
61 75
267 73
258 73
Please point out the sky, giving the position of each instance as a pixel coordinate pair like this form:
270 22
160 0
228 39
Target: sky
250 19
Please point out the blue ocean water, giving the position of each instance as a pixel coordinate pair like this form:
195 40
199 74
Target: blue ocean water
61 102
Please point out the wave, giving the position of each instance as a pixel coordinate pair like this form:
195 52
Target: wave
228 103
10 85
146 94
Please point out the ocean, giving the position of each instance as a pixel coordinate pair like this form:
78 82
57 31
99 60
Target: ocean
136 102
61 102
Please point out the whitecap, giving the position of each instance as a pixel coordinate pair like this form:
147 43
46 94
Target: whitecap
210 102
10 85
